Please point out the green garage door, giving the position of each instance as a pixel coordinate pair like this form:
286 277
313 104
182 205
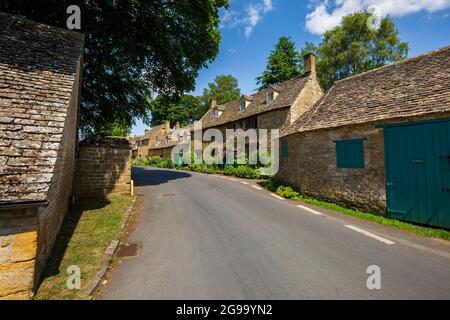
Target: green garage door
418 172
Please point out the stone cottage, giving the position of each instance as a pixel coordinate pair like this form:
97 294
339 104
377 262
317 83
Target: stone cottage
379 141
275 107
40 75
176 136
153 136
160 140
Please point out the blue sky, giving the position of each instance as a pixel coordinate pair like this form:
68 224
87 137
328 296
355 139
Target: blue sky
250 29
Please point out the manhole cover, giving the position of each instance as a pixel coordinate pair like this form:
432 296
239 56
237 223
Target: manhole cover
168 194
128 250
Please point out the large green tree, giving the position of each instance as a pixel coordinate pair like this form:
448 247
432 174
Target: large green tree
133 48
284 63
184 110
224 89
353 47
113 129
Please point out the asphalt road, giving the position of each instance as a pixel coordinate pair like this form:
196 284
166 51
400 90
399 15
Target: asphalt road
205 237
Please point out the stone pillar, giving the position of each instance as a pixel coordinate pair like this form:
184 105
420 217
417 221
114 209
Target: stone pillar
18 238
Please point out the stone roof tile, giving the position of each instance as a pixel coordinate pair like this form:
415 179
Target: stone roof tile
412 87
38 65
288 93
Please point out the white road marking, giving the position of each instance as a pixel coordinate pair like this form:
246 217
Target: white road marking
310 210
256 187
276 196
244 182
369 234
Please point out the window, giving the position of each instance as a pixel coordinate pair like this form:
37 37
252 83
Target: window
270 96
284 148
350 153
243 105
251 123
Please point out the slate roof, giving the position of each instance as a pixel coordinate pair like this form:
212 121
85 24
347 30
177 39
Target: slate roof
412 87
288 93
38 65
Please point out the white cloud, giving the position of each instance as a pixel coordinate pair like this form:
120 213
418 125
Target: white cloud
328 13
267 5
253 15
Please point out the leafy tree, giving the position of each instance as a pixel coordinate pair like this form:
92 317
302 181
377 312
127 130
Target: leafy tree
352 48
284 63
224 89
184 110
113 129
133 48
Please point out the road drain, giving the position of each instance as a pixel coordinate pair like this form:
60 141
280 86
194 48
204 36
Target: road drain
129 250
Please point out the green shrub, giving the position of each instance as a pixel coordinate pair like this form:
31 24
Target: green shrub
247 172
287 192
270 185
229 170
209 168
196 167
166 163
141 162
155 161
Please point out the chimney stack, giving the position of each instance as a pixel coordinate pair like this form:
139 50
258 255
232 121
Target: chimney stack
167 126
212 103
309 64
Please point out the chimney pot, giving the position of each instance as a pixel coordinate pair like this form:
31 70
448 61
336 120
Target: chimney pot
212 103
167 126
309 64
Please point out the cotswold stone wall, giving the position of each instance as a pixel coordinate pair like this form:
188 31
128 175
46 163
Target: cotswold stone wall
307 98
311 165
103 167
27 235
275 119
161 152
18 244
51 216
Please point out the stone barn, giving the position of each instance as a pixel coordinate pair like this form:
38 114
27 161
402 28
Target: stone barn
40 75
379 141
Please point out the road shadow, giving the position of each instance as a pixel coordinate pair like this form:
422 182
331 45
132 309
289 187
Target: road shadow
153 177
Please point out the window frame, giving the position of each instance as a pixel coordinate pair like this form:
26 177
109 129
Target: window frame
345 162
243 105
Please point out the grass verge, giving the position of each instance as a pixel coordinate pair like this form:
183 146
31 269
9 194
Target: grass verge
289 193
84 235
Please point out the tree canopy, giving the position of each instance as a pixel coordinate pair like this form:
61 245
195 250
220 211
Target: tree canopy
224 89
284 63
353 47
133 48
184 110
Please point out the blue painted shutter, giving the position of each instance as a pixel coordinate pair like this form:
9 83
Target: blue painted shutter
350 153
284 148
